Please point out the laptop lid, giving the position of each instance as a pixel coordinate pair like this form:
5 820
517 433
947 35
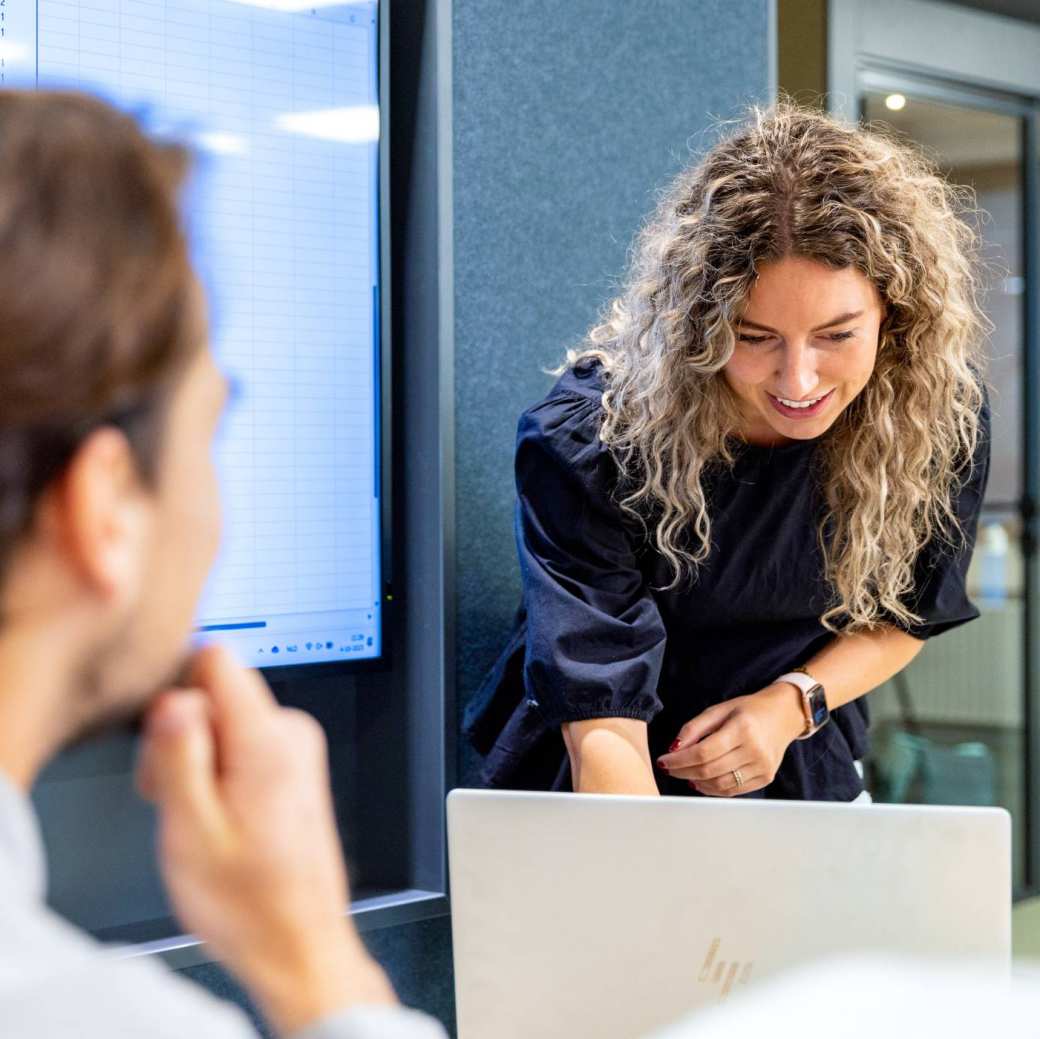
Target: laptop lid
607 916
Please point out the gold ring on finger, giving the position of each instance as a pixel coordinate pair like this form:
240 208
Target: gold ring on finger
738 778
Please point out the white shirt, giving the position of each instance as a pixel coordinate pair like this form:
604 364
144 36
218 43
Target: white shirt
55 980
875 998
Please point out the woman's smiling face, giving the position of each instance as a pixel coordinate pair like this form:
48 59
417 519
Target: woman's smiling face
806 346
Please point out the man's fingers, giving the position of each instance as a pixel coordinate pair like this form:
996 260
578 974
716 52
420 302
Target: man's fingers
177 769
243 705
216 666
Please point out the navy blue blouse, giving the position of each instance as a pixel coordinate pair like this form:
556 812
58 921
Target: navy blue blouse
595 638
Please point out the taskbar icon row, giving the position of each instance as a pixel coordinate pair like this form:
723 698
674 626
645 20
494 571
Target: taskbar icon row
356 643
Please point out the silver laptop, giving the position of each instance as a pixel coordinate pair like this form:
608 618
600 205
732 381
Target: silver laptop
609 917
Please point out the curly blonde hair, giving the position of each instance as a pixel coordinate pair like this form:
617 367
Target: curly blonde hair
793 182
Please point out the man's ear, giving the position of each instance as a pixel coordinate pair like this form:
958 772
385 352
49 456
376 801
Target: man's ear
97 515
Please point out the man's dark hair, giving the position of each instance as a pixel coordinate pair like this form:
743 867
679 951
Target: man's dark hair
95 289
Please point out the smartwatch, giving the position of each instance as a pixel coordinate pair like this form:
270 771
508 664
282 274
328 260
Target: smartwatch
814 700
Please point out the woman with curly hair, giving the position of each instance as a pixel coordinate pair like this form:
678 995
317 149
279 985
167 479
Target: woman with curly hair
753 493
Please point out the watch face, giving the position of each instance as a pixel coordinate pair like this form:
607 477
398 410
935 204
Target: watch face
818 706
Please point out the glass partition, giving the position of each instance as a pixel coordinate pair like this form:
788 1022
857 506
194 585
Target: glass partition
952 728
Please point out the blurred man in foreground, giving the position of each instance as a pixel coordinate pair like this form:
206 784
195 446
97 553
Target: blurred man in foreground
109 522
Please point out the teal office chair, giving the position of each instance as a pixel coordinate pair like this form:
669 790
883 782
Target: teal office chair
915 769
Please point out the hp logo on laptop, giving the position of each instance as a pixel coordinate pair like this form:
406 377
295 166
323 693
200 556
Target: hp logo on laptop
719 972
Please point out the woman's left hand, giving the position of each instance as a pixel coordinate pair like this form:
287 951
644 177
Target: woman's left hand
745 738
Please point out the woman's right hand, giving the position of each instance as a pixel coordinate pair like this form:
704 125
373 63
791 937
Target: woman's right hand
248 843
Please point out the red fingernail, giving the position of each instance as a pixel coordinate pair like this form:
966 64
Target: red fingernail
674 746
662 765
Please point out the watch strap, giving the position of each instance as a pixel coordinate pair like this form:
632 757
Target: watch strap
805 684
802 679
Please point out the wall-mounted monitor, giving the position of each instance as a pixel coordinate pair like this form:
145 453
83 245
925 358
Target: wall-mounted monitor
281 101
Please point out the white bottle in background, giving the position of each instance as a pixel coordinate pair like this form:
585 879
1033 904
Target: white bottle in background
993 562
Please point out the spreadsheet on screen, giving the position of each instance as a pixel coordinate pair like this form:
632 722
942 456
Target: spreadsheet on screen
279 100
